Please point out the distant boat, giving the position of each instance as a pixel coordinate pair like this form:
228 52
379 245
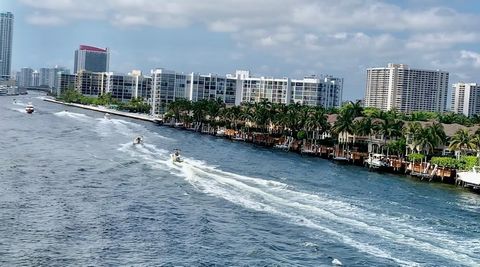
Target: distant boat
138 140
29 108
107 116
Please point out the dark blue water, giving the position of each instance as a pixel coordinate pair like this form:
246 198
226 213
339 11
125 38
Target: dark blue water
75 191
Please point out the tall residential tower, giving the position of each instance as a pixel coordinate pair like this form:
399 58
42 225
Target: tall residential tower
92 59
407 90
6 34
466 98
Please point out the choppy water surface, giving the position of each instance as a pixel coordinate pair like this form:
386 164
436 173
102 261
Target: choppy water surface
75 191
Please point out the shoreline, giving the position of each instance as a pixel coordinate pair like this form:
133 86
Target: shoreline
104 110
319 154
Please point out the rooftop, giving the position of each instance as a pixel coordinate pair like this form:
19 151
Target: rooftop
92 48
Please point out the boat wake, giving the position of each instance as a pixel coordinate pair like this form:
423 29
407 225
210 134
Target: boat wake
21 110
368 232
76 116
327 215
109 127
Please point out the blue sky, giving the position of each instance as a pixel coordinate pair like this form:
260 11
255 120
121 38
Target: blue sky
280 38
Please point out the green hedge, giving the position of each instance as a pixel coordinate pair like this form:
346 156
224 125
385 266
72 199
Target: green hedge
445 162
468 162
415 157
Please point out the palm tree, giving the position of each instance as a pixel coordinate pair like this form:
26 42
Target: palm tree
247 114
214 109
424 141
365 127
411 131
199 113
261 115
316 122
344 126
437 134
462 140
232 116
355 108
389 129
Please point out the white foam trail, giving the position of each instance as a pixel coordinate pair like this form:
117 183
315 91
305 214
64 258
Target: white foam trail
19 103
107 126
77 116
19 110
313 211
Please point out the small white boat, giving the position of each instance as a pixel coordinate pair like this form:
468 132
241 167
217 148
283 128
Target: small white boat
176 158
340 159
375 161
220 132
470 178
107 116
29 108
138 140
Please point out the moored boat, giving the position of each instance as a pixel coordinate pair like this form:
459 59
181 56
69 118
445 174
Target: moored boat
470 179
376 161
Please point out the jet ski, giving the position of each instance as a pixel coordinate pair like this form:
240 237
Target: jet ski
176 158
138 140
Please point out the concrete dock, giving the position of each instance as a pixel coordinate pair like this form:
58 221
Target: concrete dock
104 110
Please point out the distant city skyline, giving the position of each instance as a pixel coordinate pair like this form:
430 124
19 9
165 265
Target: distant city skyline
298 38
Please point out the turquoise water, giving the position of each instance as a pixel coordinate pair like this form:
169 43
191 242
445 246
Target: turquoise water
75 191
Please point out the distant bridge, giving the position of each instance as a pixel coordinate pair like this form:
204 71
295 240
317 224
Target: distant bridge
37 88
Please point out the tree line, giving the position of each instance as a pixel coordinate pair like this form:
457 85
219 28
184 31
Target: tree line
136 105
400 133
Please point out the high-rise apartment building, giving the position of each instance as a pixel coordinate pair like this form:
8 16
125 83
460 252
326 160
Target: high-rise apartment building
167 86
35 78
92 59
6 35
211 87
132 85
91 83
466 98
64 81
24 77
407 90
323 91
48 76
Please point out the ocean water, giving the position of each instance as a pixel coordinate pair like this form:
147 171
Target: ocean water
75 191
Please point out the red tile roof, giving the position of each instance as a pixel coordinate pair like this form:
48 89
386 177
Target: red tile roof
92 48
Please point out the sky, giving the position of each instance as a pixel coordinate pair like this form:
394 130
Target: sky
279 38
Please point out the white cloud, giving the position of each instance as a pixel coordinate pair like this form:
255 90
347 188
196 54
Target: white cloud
45 20
332 36
441 39
472 56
